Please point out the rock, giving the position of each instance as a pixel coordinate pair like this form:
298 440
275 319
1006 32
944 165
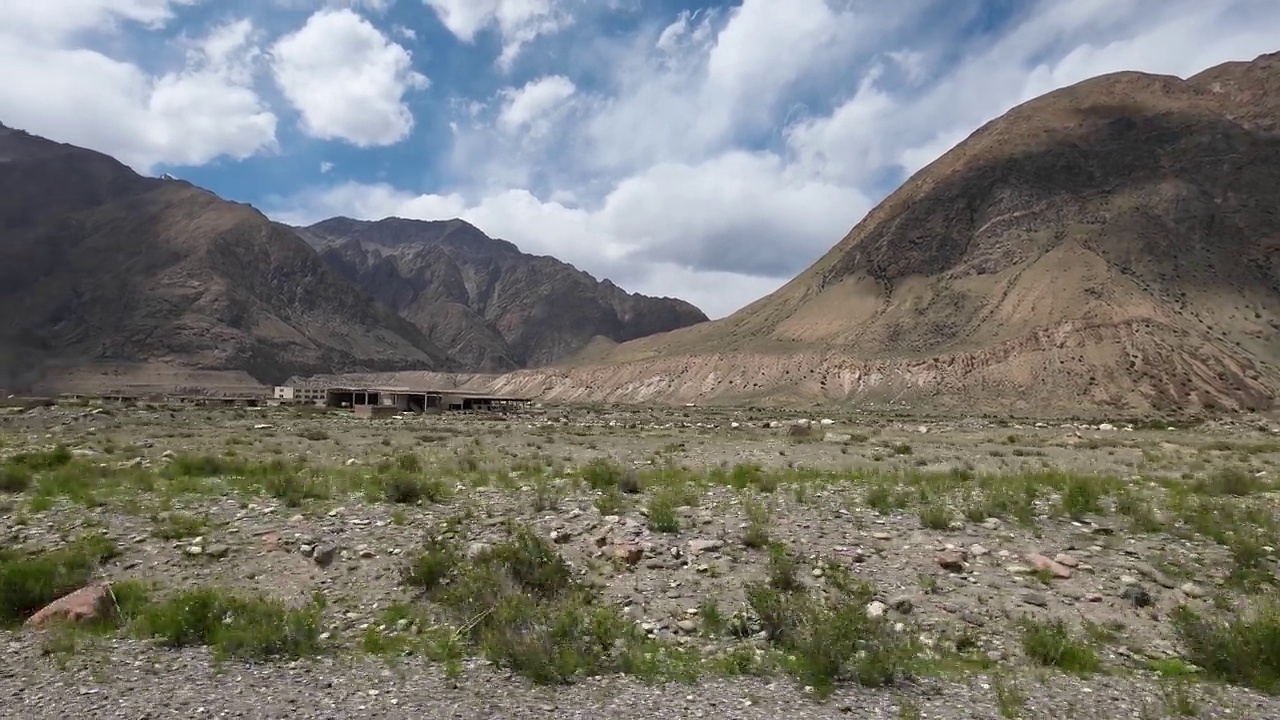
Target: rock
193 550
697 547
629 553
352 461
834 437
263 426
687 626
1042 563
1156 576
1066 560
476 549
217 550
1137 595
992 523
876 609
1106 426
903 604
365 551
827 422
951 561
977 550
1192 590
89 603
323 555
882 536
1035 598
560 537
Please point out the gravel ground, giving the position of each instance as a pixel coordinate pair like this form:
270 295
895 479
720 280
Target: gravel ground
970 578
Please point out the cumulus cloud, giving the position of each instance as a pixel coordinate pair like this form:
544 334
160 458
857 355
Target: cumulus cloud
518 21
346 79
46 21
205 109
726 150
524 107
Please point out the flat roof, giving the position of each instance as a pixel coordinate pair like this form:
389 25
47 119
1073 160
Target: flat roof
422 391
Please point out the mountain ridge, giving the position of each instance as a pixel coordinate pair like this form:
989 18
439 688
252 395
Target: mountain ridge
1109 244
483 299
101 267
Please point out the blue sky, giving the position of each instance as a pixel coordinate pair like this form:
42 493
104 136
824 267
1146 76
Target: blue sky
709 150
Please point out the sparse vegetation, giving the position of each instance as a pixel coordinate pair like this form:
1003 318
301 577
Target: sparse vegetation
1052 644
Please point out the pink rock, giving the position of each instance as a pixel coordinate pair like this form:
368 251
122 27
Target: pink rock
1040 562
89 603
1067 560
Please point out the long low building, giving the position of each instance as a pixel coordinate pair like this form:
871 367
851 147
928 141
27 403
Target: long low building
402 399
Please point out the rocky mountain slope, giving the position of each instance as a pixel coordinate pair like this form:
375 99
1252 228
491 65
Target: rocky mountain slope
482 300
1110 245
103 268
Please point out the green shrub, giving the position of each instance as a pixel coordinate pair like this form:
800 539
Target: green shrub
1239 649
295 488
518 604
936 516
601 474
432 564
29 581
756 534
405 489
662 516
1081 496
1053 645
41 460
784 569
831 638
15 478
175 526
232 625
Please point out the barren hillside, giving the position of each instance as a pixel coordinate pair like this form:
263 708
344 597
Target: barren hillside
484 301
1114 245
102 269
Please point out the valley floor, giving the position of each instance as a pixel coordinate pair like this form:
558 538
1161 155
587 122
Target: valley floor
600 563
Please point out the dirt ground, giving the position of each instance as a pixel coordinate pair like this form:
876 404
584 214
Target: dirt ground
971 538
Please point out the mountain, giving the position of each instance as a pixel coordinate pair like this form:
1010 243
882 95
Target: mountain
1113 245
103 269
482 300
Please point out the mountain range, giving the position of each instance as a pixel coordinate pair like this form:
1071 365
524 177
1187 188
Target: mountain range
1109 246
110 279
483 301
1114 244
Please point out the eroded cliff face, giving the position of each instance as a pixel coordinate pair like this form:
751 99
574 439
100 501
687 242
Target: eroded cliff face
482 300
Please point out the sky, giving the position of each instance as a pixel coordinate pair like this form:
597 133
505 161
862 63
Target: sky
704 150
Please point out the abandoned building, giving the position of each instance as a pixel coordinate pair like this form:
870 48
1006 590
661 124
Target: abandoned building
378 401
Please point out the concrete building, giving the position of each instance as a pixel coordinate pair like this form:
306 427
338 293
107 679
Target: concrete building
396 399
301 395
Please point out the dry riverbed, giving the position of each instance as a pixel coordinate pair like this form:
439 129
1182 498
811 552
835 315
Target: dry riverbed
584 563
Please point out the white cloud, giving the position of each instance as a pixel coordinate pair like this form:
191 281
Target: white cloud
728 150
46 21
325 166
518 21
524 107
346 79
206 109
407 33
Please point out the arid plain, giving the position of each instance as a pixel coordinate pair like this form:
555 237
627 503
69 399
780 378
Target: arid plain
629 562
